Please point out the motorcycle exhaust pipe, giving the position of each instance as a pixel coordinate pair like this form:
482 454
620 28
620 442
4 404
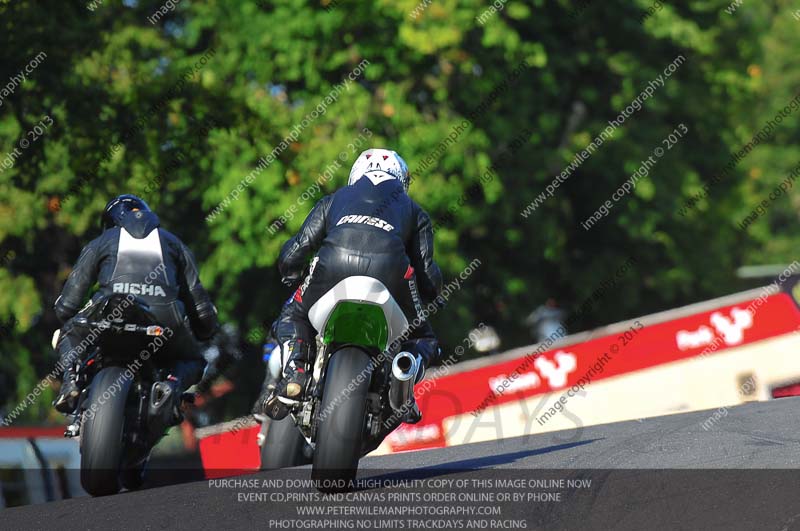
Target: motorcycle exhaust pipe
404 373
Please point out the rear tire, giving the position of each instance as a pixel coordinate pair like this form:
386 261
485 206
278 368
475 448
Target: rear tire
342 420
283 446
102 433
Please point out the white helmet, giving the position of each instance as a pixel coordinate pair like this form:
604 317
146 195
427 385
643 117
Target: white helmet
380 165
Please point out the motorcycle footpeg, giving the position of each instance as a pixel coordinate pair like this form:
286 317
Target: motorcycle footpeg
73 430
74 427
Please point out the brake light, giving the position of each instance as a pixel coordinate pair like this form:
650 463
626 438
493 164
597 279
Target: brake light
154 330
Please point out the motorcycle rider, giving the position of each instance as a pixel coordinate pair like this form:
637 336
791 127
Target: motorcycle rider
134 255
370 227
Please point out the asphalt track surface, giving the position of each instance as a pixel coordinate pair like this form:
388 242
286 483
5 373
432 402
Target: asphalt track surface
658 473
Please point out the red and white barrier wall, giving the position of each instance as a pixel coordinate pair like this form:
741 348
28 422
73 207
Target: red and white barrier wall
718 353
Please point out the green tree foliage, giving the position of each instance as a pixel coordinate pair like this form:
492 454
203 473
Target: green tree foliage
183 110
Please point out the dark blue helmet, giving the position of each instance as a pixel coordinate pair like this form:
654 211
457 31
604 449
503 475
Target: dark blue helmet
119 206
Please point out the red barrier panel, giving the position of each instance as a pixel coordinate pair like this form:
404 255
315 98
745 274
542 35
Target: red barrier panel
25 432
230 453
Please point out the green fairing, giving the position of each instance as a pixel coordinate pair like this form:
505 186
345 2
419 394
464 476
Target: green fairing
358 323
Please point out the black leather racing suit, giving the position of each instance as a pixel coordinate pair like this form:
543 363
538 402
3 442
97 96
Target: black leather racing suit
362 229
142 259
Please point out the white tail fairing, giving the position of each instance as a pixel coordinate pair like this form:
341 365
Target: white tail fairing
362 289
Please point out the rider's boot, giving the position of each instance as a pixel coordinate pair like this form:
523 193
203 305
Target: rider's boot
66 400
289 390
183 374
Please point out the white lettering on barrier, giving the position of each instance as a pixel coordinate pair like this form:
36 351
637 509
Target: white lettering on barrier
556 373
730 329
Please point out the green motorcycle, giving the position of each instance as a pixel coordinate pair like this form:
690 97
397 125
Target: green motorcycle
360 389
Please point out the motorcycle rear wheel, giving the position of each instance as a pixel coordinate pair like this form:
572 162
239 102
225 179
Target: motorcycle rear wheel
102 433
342 420
283 446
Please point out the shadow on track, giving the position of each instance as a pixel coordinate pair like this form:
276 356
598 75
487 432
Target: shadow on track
477 463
